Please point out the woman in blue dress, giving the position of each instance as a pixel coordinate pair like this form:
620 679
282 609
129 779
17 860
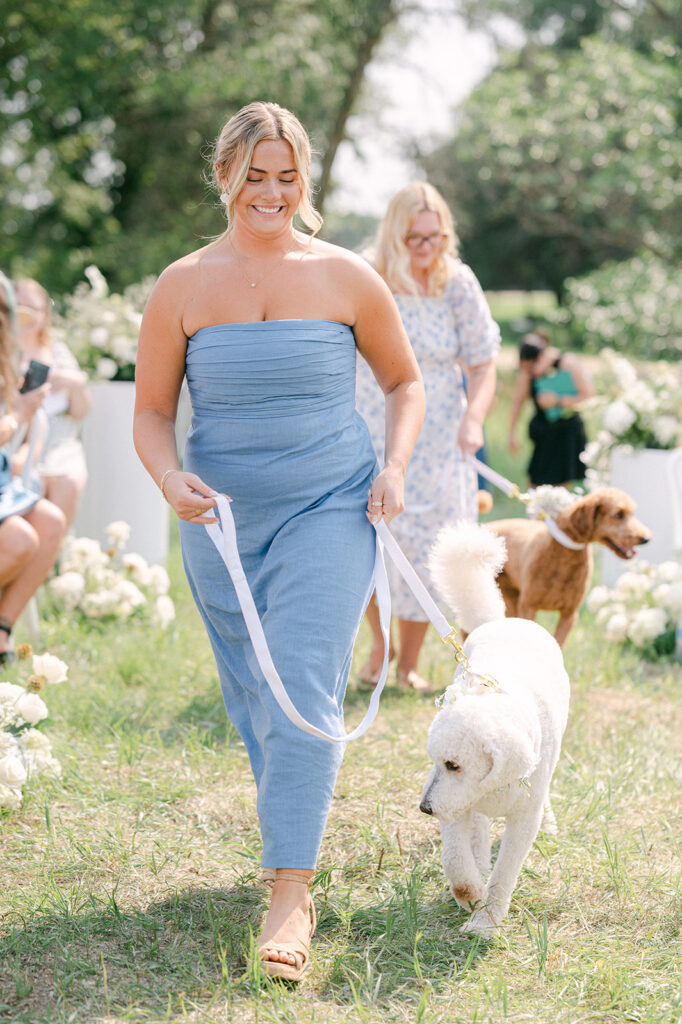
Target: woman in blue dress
265 323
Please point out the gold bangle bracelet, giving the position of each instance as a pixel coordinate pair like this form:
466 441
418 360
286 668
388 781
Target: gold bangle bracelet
164 478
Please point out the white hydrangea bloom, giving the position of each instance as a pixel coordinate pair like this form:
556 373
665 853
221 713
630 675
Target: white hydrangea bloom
672 600
598 596
634 584
666 430
607 610
8 744
646 624
619 417
669 572
616 628
53 669
106 368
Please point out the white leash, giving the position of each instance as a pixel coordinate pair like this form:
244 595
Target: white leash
225 541
512 491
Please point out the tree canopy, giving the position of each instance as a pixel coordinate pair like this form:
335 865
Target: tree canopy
562 160
106 113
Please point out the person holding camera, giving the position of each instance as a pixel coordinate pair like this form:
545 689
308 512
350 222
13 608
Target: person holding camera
62 468
29 537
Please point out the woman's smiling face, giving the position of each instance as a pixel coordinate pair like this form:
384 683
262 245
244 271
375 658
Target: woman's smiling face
271 193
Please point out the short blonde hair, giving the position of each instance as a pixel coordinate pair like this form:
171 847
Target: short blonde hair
391 257
233 151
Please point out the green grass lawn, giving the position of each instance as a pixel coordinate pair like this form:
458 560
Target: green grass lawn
128 886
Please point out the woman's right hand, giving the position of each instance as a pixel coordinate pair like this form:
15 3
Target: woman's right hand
387 495
189 497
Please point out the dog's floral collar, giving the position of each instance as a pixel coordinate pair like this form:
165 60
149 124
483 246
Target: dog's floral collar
467 683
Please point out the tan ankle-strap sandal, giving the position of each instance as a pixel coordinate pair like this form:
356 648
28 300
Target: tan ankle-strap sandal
299 950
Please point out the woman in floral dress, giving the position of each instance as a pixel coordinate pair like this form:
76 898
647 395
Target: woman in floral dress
453 334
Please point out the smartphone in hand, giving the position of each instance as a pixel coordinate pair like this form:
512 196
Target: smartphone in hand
35 376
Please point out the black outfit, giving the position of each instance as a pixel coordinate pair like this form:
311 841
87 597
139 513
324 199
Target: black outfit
558 436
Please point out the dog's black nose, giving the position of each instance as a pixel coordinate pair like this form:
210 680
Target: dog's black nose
425 808
644 540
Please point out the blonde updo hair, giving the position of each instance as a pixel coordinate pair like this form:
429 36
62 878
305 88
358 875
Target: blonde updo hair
391 257
233 151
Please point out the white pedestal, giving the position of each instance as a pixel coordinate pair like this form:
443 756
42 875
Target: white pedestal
644 475
119 486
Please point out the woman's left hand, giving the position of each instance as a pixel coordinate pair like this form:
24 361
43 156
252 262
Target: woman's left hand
470 437
387 496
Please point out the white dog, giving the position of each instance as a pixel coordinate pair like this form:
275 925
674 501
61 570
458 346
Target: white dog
496 740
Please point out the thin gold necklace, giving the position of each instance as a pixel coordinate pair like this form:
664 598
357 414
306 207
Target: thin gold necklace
242 271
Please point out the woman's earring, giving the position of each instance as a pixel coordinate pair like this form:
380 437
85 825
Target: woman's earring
224 198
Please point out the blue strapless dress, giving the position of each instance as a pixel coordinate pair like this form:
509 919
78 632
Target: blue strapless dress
274 426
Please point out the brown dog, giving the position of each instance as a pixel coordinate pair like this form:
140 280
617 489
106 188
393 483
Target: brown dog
540 574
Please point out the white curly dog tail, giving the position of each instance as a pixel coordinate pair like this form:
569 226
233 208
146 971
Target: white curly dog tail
463 563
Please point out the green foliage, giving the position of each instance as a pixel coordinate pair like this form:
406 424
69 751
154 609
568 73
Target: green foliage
106 113
634 306
563 160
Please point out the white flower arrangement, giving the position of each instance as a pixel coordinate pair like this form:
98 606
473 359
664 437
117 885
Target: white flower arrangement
110 584
25 751
547 500
101 328
642 609
638 412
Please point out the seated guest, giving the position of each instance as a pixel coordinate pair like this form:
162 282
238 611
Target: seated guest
29 541
62 467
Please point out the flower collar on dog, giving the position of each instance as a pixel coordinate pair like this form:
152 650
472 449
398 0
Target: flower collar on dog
466 683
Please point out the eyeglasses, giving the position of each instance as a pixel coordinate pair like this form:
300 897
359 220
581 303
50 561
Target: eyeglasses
414 241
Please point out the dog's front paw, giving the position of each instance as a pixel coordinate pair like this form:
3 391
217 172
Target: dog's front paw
467 894
482 923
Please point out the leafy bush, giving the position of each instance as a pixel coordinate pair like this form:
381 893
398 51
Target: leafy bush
634 306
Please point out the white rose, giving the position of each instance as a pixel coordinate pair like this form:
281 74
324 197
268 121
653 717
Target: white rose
164 611
12 771
68 588
616 629
10 798
52 668
598 596
137 568
32 708
158 579
101 604
8 744
118 532
619 417
129 594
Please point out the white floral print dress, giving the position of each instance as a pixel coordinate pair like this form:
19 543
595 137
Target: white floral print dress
439 486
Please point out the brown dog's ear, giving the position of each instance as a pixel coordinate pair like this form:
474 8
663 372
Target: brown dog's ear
582 518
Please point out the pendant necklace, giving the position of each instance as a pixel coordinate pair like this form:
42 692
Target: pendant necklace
252 284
